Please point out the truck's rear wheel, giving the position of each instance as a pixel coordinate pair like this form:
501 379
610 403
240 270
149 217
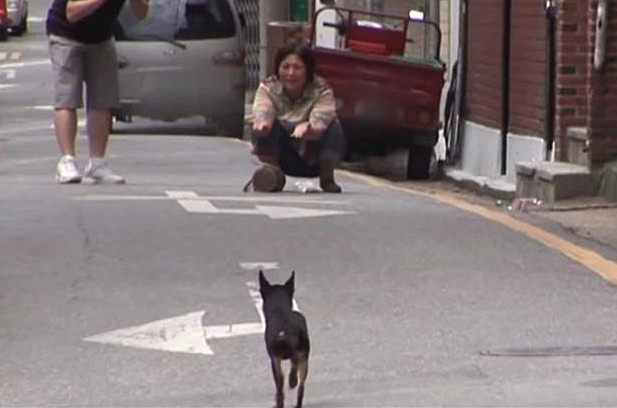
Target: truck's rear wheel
419 163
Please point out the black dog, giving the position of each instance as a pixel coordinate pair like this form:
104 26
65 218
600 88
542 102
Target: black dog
286 336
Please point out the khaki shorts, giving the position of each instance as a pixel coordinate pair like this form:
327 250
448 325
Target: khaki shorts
74 64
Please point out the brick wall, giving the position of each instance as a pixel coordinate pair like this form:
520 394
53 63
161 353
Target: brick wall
586 97
573 69
602 90
484 71
528 67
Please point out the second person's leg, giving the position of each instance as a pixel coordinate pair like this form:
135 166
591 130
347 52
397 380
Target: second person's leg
67 61
102 95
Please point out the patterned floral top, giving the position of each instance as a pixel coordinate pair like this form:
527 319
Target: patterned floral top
317 104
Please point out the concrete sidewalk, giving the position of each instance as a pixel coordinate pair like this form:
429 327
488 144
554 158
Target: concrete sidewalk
593 218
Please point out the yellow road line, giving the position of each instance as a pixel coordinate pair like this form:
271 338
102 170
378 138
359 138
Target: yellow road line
588 258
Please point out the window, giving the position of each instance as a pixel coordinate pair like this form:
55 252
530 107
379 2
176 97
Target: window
178 20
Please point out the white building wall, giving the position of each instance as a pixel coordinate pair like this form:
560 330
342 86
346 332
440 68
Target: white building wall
481 151
523 148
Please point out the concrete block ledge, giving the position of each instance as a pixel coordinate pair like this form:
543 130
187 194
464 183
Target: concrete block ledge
553 181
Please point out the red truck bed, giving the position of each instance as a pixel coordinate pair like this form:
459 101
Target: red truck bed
385 90
385 98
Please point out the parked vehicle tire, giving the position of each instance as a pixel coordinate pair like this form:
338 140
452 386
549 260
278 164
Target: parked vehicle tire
3 33
419 164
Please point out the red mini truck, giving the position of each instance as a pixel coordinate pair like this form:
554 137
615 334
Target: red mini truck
387 77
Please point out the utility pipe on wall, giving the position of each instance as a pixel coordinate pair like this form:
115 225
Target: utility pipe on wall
505 86
549 108
599 52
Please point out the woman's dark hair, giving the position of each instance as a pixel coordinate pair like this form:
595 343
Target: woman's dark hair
301 50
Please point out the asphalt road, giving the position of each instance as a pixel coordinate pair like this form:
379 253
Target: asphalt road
143 294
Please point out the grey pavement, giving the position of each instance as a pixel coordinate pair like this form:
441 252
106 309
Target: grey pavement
591 218
441 286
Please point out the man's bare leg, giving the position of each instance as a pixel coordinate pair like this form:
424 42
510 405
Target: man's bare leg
98 131
98 136
65 124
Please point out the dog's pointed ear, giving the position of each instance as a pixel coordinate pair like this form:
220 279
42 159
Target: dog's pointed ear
263 282
289 285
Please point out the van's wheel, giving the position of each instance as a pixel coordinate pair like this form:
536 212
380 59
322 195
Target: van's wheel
3 33
231 126
419 162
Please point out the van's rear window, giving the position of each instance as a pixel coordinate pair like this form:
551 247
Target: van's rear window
177 20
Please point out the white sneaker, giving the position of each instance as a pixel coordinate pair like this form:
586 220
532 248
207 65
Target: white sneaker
101 174
66 170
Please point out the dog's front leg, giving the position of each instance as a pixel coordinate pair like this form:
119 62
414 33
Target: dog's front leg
279 379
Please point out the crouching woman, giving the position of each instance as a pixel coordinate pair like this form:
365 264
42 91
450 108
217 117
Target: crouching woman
295 128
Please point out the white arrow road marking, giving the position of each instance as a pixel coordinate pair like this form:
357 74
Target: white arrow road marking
257 301
233 330
7 73
186 333
283 213
181 334
255 266
14 55
174 195
191 202
191 195
26 64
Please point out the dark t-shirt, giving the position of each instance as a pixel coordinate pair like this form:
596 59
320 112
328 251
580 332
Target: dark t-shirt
95 28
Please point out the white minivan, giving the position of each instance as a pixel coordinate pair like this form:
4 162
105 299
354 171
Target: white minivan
185 59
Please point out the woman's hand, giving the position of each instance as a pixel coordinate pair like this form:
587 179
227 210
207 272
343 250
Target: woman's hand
302 131
262 126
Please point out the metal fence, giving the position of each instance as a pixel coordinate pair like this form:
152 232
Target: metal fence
250 9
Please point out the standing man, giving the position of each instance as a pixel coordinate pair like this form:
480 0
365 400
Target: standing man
82 51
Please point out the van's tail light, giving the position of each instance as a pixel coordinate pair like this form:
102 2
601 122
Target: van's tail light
234 57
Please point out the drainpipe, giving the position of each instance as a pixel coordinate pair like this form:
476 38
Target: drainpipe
550 83
505 86
599 51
